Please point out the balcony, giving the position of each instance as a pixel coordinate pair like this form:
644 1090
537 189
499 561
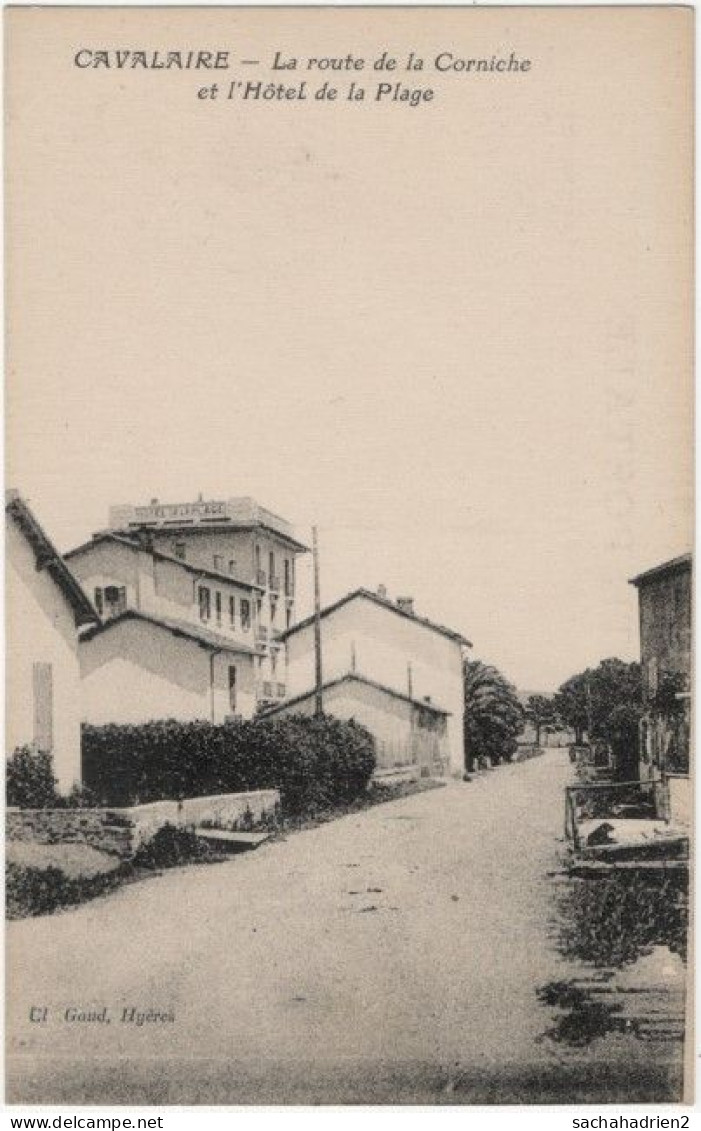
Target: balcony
261 577
275 634
274 583
261 634
270 690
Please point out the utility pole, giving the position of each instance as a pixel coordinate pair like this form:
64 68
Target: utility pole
318 697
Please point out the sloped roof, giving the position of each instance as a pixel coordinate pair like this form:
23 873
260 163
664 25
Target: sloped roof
133 543
47 557
682 562
384 603
202 636
358 678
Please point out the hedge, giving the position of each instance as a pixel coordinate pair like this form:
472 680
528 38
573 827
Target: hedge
314 762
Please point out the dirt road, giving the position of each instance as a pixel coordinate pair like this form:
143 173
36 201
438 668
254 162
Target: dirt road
390 956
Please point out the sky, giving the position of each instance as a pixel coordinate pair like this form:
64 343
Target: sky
456 338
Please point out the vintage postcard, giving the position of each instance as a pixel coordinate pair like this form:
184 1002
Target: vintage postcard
349 540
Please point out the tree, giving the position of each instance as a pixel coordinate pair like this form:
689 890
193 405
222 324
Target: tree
493 714
571 704
540 711
607 703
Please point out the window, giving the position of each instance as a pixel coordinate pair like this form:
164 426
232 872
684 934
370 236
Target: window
257 557
273 661
205 599
232 565
232 611
245 614
273 610
43 682
288 587
232 688
179 550
217 606
218 563
98 601
271 564
288 617
115 600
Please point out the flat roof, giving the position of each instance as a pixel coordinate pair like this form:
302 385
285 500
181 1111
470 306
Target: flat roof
237 514
358 678
384 603
48 557
212 641
684 561
212 525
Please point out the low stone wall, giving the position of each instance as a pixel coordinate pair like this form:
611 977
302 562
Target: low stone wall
230 810
144 821
99 828
122 831
396 774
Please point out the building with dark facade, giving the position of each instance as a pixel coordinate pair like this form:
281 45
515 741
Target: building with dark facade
665 600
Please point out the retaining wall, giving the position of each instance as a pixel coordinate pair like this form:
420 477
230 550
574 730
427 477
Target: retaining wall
121 831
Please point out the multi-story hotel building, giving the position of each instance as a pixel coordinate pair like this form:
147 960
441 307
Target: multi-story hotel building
217 575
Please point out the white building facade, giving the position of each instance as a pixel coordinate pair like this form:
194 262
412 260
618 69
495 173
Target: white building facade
193 599
399 674
45 608
235 539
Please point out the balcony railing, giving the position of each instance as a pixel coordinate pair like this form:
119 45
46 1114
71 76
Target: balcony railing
261 577
275 633
262 634
271 690
274 583
289 588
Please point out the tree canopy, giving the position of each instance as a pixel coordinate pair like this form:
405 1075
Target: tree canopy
493 714
606 703
540 711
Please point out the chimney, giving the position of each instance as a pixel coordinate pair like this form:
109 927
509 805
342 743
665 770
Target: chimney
382 592
406 604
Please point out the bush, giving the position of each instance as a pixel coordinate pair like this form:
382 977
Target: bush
170 847
78 798
314 762
39 891
30 779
